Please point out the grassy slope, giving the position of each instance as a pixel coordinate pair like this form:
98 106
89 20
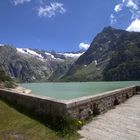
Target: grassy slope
84 73
15 125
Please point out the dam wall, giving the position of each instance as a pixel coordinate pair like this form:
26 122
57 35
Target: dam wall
85 107
42 106
81 108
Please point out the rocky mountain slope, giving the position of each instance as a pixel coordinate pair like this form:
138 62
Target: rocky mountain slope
113 55
29 65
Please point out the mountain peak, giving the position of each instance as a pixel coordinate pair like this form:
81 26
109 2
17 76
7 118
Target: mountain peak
111 29
107 28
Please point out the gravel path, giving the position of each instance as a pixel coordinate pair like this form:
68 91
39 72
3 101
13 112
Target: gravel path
121 123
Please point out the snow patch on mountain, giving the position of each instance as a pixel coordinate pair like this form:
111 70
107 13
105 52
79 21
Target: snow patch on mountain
49 55
29 52
72 55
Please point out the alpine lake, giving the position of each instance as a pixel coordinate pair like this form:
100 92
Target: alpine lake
72 90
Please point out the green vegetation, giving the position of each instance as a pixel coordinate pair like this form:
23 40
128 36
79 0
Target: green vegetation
5 81
83 73
15 125
3 77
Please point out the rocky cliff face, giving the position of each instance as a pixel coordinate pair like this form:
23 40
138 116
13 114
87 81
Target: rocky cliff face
113 55
27 65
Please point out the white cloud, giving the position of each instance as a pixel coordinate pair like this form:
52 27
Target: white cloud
118 7
1 44
134 26
83 46
51 10
17 2
113 20
133 7
132 4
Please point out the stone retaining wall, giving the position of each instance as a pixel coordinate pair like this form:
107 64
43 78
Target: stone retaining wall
39 105
138 88
81 108
85 107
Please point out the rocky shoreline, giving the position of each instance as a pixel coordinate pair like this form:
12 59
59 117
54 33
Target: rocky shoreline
20 89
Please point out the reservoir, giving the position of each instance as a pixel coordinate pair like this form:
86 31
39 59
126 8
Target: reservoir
72 90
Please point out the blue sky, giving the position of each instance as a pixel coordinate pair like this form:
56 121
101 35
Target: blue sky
63 25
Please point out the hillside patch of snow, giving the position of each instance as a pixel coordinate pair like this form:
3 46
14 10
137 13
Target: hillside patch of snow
29 52
49 54
71 55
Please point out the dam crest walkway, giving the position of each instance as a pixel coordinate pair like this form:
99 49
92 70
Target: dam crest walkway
120 123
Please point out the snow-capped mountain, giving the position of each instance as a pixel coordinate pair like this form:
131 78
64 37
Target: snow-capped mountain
29 52
49 55
28 65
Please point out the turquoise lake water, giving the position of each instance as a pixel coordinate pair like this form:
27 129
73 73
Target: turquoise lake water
75 89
